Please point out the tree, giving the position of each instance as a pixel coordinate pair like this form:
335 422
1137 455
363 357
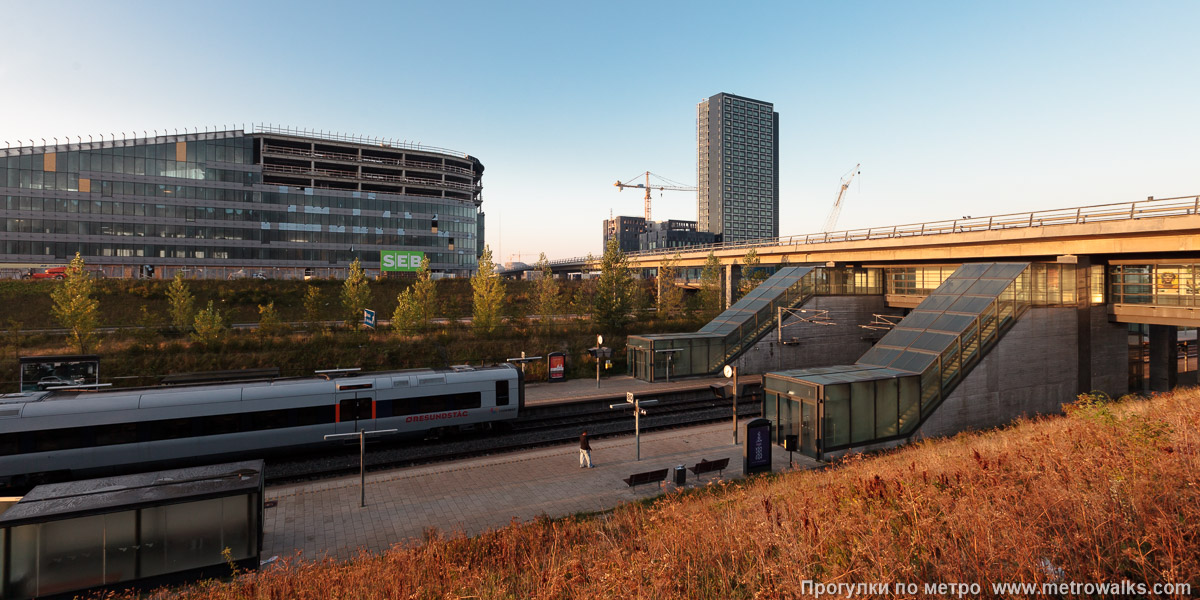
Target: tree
710 286
209 326
425 295
312 306
546 300
183 305
407 316
356 294
670 296
487 292
614 289
752 273
147 328
269 323
74 306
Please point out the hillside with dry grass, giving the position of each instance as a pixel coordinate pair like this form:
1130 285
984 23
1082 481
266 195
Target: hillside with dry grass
1110 492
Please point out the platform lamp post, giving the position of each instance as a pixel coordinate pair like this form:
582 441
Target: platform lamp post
599 345
731 371
362 456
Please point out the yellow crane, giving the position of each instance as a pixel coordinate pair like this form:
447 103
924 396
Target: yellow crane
668 185
831 220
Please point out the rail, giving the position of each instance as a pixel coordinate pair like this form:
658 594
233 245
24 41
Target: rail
355 139
409 164
1121 211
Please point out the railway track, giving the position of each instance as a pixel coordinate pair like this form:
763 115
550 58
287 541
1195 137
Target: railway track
540 426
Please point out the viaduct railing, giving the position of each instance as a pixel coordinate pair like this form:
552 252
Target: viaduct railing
1142 209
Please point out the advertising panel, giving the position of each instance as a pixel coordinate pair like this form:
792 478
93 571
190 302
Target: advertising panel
393 261
756 455
557 366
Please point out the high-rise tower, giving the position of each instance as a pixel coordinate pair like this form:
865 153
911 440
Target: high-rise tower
738 147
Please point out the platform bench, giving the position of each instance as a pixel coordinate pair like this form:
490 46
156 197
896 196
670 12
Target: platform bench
648 477
706 466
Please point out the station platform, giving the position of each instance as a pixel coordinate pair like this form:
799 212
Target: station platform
323 519
616 387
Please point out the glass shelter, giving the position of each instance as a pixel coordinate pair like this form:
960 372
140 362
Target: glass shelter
899 382
743 324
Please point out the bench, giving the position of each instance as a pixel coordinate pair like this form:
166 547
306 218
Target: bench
648 477
706 466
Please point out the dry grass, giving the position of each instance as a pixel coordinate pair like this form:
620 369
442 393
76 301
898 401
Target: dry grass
1107 493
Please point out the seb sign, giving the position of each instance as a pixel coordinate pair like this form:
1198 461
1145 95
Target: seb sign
400 260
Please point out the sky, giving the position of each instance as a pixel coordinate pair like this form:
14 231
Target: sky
952 108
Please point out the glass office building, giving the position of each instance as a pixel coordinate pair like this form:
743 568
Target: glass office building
738 167
267 199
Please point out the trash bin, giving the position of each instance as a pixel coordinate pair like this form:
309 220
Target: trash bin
680 475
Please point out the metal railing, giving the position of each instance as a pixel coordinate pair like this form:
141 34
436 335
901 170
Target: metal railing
1121 211
355 139
314 172
396 162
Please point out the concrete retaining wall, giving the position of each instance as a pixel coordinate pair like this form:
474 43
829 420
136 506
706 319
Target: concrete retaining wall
1033 370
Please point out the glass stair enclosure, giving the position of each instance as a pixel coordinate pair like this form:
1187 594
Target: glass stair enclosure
899 382
725 337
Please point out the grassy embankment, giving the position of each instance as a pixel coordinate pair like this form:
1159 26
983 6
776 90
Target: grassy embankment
1110 492
137 357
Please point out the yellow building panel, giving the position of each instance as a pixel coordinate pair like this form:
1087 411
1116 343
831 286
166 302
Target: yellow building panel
180 151
85 185
50 162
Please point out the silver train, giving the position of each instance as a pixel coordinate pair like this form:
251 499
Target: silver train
55 435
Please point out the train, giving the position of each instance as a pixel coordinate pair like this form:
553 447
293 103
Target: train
64 434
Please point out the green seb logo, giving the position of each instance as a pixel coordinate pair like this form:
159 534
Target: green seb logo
400 260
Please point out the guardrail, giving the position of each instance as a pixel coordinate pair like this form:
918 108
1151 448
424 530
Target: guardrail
355 139
1122 211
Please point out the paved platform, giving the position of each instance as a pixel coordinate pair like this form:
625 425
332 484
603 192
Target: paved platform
612 387
472 496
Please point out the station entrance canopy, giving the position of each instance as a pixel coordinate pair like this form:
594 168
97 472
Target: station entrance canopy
899 382
746 322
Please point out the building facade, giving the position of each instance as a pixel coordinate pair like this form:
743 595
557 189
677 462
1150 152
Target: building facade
267 199
673 233
626 230
738 167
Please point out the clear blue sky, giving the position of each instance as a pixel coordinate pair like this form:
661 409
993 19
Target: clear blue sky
954 108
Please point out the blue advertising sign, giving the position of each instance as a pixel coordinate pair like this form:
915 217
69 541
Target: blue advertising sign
369 318
756 455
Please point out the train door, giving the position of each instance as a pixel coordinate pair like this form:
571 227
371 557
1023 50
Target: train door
355 411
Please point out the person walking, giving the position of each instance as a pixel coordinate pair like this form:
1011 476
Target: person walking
585 451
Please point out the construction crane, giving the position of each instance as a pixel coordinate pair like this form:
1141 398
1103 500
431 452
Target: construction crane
669 185
831 220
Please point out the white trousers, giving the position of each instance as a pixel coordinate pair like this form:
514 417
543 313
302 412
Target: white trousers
585 458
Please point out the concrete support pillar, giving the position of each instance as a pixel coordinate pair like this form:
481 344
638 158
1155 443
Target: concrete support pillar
1083 331
1163 361
732 278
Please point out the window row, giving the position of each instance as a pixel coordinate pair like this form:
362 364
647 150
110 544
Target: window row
70 438
462 255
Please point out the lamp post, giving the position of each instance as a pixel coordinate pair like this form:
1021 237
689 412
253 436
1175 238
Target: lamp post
599 341
362 455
